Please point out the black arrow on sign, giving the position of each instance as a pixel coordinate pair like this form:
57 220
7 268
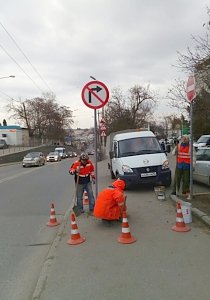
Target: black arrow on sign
97 89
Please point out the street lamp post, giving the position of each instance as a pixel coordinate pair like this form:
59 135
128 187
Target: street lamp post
10 76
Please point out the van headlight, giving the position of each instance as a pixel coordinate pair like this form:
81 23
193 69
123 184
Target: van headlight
126 169
165 165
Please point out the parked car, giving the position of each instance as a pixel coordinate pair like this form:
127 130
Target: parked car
3 144
201 167
53 156
34 159
203 141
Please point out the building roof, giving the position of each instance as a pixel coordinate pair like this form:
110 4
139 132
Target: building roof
10 127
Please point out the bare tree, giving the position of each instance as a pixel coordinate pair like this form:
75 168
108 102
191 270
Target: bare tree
197 57
131 109
177 96
195 61
42 116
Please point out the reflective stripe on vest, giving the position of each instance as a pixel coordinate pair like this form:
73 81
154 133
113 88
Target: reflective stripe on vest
183 154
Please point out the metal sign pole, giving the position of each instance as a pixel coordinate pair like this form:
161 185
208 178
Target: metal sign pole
191 149
95 95
96 154
191 94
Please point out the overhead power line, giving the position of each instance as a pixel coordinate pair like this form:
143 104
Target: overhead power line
20 68
6 95
35 70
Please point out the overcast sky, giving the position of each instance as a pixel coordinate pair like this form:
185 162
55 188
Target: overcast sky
120 42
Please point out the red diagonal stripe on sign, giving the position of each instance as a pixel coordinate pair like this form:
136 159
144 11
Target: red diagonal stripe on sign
92 92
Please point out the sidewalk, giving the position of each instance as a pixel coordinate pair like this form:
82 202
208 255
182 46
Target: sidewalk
68 270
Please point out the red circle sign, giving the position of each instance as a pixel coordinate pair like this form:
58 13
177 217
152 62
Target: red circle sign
191 93
95 94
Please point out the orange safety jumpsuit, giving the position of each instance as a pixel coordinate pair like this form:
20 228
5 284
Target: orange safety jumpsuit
85 171
110 202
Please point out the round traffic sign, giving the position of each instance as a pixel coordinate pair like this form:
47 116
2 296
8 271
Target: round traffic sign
191 93
95 94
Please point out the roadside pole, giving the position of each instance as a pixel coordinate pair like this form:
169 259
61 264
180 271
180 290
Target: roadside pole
191 149
95 95
96 154
191 95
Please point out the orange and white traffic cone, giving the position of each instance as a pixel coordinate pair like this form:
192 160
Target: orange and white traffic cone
126 237
188 196
180 225
85 198
53 221
75 235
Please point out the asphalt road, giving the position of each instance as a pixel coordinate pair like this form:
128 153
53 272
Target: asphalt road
26 196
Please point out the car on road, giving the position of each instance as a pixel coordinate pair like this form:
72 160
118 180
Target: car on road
33 159
201 167
203 141
72 154
3 144
53 156
62 152
91 152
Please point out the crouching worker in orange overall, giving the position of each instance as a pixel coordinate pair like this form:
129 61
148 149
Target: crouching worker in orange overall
110 202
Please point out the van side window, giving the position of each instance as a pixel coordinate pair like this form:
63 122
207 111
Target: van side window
115 149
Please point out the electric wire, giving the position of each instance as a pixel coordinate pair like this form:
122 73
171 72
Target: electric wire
20 67
6 95
35 70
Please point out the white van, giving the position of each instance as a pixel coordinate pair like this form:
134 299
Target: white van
137 158
62 151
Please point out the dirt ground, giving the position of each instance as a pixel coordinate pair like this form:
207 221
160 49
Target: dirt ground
202 202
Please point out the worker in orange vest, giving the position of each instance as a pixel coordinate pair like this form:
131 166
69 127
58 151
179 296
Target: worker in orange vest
110 202
83 169
183 165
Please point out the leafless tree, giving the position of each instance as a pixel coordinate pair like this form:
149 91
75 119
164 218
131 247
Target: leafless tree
197 61
42 116
177 96
131 109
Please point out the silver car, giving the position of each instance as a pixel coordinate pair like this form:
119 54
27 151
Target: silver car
201 168
203 141
34 159
53 156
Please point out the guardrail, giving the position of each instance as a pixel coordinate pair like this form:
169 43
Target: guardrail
15 149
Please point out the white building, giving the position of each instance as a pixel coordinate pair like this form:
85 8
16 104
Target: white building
13 135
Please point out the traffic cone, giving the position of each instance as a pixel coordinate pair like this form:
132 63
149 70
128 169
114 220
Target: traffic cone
53 221
75 235
126 237
188 196
180 224
85 198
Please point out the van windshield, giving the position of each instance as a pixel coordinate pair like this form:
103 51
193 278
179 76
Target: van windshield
139 146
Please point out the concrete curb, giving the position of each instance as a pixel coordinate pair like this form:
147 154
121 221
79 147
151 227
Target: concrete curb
49 259
196 212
